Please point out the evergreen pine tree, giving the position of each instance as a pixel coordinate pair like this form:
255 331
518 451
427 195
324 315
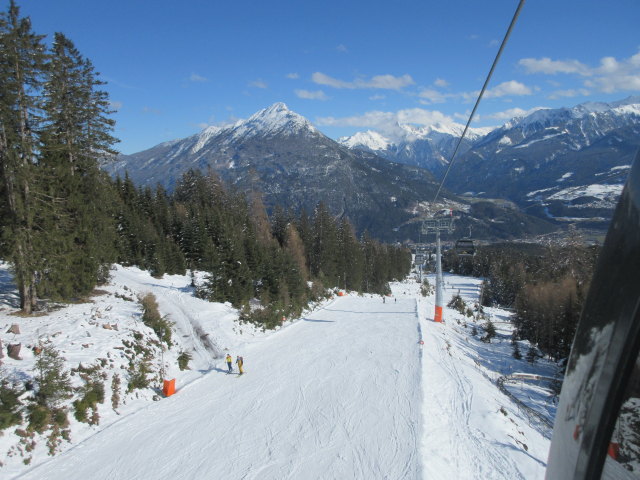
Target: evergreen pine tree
490 331
75 137
531 354
22 68
324 250
516 351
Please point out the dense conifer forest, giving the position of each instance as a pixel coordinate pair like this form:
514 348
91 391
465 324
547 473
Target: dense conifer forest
64 221
545 285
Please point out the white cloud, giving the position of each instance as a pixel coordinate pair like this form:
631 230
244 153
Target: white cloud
377 97
194 77
511 112
615 83
429 95
115 105
385 82
259 83
322 79
293 76
571 92
510 88
317 95
441 82
387 122
611 75
342 48
552 67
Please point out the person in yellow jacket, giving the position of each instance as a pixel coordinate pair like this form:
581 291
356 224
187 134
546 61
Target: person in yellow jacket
229 360
240 363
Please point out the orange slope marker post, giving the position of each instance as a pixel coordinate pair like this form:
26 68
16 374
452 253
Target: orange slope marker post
169 387
438 315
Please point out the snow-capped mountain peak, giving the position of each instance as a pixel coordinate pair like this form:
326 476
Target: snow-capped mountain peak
276 119
369 139
548 116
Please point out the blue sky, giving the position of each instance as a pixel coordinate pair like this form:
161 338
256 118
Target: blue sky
175 67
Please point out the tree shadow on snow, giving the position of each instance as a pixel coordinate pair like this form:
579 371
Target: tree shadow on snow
318 320
8 293
368 313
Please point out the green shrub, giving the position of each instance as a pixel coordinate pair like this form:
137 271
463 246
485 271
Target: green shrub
92 394
426 289
490 331
152 318
59 418
53 381
183 360
115 391
10 405
458 303
269 317
138 375
39 418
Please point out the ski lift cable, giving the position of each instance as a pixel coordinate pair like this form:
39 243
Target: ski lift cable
484 87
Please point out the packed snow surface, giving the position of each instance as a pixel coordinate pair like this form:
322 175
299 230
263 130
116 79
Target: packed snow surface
359 388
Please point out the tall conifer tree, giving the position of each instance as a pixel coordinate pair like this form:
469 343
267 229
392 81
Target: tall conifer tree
76 136
22 60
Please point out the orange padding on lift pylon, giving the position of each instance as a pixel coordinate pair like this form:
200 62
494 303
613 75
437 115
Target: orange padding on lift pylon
169 387
341 294
438 317
614 450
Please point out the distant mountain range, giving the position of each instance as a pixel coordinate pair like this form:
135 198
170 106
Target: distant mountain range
561 165
280 153
566 164
427 147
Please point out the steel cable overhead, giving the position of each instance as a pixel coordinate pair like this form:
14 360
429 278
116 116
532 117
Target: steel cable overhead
484 87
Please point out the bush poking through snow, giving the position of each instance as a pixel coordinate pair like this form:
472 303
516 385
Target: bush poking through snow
458 303
91 393
532 354
516 351
490 331
426 289
115 391
53 381
268 317
10 404
183 360
138 371
151 317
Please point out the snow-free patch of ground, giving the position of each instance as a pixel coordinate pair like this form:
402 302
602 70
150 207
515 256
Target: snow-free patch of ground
347 391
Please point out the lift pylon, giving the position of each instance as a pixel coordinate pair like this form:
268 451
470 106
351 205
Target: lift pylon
440 223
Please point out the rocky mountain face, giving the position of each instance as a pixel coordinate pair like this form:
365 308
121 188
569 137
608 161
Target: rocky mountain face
280 153
565 165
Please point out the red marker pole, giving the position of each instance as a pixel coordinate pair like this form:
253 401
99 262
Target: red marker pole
438 314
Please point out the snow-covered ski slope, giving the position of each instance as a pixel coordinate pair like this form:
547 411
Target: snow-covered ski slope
471 429
348 392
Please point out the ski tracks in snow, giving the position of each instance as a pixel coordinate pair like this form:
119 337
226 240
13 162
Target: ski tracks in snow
338 396
464 451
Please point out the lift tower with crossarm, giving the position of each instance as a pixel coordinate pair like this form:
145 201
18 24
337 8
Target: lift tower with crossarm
442 222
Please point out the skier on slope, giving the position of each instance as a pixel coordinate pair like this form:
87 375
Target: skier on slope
229 360
240 363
